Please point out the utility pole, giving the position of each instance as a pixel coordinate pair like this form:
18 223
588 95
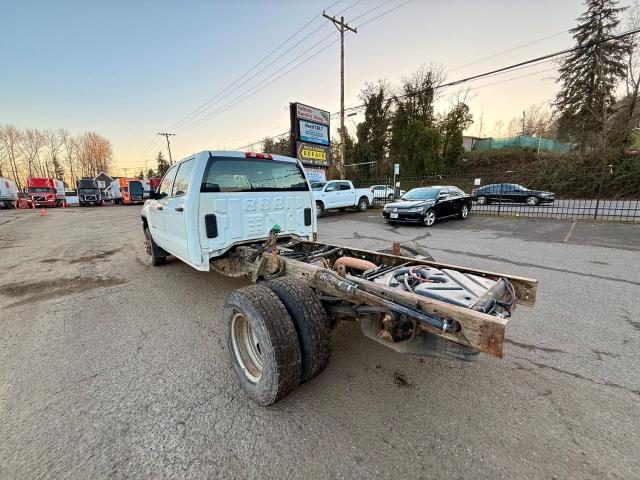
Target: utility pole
167 135
342 27
523 118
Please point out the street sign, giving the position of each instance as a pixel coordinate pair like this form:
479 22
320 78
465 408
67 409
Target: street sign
314 132
477 182
313 114
312 154
396 169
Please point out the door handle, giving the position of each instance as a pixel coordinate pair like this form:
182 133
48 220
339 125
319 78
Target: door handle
180 209
160 207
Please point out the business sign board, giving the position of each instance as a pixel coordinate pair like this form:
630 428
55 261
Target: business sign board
310 135
314 132
312 154
313 114
316 174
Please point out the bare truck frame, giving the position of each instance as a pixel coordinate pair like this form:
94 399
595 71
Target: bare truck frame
406 302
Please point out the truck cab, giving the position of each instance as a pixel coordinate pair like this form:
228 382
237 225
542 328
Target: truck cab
340 194
46 192
215 200
88 192
127 191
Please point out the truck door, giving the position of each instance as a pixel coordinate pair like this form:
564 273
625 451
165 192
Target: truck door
347 194
331 195
174 212
157 205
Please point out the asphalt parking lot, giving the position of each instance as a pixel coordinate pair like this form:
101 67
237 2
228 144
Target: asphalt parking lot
111 369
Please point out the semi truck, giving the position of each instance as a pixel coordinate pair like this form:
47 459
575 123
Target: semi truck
8 193
126 191
46 192
88 192
253 215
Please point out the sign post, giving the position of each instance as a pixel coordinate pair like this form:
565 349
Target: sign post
311 136
396 171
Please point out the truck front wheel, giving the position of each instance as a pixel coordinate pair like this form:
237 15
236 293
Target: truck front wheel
262 343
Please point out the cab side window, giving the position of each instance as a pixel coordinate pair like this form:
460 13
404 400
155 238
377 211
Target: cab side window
331 187
181 183
164 190
344 186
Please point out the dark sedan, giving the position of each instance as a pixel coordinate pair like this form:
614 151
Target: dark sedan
425 205
511 192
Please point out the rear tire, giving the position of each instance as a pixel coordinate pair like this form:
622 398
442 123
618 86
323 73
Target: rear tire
363 204
319 209
533 201
464 212
482 200
262 343
311 323
155 255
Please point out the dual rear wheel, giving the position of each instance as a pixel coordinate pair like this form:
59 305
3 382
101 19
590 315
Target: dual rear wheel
278 336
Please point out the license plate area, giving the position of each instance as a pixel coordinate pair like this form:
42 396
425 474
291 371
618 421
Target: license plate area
393 215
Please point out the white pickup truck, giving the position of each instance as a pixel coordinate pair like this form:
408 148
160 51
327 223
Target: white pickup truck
252 215
340 194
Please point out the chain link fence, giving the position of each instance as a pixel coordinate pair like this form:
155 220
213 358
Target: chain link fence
594 195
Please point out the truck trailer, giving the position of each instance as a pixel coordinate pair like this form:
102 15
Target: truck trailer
253 215
46 192
8 193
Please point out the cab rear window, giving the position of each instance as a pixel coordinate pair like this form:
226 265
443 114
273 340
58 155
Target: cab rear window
233 174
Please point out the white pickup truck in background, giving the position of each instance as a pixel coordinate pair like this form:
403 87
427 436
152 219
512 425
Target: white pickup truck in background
340 194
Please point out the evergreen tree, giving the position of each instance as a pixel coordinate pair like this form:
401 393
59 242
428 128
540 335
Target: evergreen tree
141 174
590 75
163 164
451 127
373 133
150 173
58 171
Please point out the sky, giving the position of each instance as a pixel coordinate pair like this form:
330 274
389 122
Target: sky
130 69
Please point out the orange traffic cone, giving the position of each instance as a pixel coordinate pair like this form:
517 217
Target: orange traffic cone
43 212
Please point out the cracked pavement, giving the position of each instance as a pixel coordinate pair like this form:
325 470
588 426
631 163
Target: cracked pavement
110 369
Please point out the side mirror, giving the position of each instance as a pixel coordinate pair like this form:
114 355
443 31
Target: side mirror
441 197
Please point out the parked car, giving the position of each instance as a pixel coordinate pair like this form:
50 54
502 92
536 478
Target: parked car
340 194
386 192
425 205
510 192
8 193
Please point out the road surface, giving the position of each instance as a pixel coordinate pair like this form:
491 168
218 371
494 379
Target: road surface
111 369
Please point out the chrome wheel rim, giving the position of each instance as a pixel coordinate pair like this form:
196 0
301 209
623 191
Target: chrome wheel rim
481 200
246 347
318 210
363 205
429 218
465 212
531 201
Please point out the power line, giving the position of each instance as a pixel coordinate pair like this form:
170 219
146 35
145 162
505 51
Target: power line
217 97
509 50
384 13
248 93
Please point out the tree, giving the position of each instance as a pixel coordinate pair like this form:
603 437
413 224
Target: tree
10 139
150 173
590 74
94 154
373 132
415 141
163 164
632 78
451 126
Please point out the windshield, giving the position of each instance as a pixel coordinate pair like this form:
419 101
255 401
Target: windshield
39 190
318 185
135 188
88 190
232 174
427 193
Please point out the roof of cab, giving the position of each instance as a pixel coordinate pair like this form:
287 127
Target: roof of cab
237 154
